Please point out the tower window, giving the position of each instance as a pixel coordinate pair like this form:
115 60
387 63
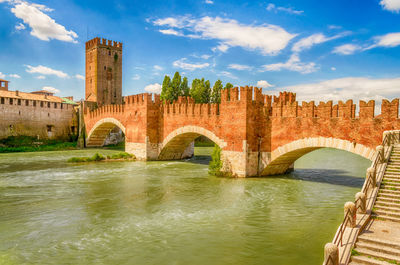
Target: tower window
48 104
2 100
41 104
34 103
11 101
55 105
19 101
109 53
105 67
26 102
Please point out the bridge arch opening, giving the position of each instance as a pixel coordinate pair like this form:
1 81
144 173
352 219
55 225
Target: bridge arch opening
104 131
283 158
179 144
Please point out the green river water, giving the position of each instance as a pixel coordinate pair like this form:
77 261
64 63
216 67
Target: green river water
54 212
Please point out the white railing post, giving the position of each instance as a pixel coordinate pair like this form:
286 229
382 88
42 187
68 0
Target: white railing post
361 202
331 254
380 154
371 173
350 211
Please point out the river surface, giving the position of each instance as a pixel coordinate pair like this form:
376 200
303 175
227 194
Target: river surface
54 212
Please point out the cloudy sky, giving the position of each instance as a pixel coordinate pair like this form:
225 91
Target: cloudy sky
322 50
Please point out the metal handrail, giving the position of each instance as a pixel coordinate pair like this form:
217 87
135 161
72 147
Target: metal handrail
329 259
342 227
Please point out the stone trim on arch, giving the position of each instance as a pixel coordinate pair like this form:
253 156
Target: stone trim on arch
321 142
102 124
283 157
193 129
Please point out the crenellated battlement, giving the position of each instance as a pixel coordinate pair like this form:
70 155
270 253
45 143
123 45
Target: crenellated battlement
96 42
186 106
346 110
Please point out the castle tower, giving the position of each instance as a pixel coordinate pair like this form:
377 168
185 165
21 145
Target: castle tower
103 71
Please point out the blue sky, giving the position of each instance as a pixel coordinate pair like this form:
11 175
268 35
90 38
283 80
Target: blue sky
319 49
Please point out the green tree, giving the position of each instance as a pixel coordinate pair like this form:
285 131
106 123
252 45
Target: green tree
207 91
166 89
200 90
185 87
216 92
228 85
176 86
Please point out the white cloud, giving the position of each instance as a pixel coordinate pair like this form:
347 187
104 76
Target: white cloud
153 88
40 69
240 67
2 76
333 68
157 68
273 7
227 74
136 77
293 64
43 27
334 27
388 40
50 89
269 39
170 32
346 49
181 63
391 5
357 88
40 77
80 77
210 2
308 42
264 84
20 26
14 76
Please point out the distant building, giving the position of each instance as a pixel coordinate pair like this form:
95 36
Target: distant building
43 92
3 85
39 114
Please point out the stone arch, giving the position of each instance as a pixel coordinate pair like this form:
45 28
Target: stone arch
282 158
177 144
101 130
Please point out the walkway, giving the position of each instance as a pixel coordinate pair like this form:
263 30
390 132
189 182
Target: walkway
379 242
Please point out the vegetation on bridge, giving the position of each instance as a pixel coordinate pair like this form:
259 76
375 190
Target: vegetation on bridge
200 90
214 168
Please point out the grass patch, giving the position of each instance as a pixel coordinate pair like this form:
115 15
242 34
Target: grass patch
355 252
95 157
119 146
122 155
14 144
99 157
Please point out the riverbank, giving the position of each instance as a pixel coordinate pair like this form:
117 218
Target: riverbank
15 144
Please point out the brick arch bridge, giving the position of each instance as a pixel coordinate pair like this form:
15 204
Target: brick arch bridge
259 134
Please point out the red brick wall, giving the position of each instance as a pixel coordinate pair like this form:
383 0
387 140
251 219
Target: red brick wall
249 115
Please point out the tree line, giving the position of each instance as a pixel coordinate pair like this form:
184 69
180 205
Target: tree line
200 90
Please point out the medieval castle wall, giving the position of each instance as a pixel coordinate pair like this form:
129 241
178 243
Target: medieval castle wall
36 115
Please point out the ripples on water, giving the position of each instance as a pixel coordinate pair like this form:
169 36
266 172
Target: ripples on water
53 212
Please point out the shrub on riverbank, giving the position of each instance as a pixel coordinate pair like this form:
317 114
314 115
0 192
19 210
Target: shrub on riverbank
31 144
99 157
215 165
